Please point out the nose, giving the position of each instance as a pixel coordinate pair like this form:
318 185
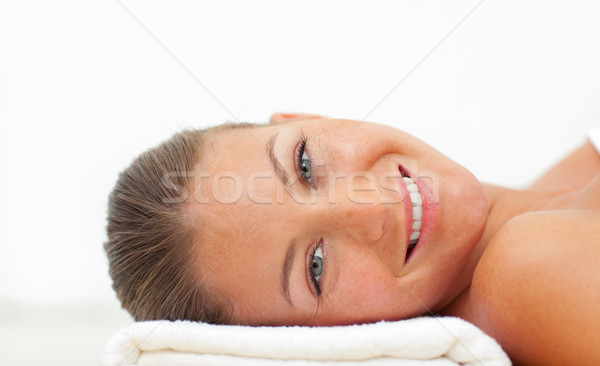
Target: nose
359 215
366 222
366 228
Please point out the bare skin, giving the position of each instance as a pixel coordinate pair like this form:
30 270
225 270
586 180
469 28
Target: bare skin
522 265
536 288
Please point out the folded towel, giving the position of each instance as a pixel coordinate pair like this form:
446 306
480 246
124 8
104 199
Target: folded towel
420 341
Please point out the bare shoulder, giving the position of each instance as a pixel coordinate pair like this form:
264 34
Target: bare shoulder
574 171
537 288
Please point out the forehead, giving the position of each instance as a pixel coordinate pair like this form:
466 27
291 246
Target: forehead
233 167
227 158
226 143
236 231
232 162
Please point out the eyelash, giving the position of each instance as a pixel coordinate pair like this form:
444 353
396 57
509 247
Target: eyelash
315 283
300 150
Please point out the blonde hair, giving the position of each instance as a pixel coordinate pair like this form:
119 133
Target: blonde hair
151 245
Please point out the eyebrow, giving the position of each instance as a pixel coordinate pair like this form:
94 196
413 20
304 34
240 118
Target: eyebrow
277 166
288 263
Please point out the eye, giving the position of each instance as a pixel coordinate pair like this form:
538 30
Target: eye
316 267
303 163
305 167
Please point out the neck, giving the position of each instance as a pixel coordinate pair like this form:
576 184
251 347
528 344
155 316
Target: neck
503 205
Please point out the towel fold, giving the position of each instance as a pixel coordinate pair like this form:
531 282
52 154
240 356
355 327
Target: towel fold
420 341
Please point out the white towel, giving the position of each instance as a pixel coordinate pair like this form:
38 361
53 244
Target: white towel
420 341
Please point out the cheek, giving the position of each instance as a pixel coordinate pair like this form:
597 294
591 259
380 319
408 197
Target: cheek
367 291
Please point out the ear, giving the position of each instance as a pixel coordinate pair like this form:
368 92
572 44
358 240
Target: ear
287 117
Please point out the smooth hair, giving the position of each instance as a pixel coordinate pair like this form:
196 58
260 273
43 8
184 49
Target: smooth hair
152 244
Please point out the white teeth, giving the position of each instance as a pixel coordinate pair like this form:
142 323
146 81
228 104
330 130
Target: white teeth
417 212
410 185
415 235
416 225
416 201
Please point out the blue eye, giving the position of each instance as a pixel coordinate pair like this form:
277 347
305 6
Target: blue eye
316 268
304 166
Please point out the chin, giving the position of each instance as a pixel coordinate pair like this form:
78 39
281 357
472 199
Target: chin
464 218
477 210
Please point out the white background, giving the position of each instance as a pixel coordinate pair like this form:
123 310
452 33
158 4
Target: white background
504 87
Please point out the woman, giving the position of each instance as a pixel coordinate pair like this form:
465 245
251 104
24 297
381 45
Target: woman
315 221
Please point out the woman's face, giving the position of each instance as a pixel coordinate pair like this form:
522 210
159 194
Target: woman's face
310 222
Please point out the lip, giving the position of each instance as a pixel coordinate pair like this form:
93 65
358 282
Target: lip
407 209
429 213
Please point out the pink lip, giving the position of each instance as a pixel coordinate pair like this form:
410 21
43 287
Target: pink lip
407 209
429 215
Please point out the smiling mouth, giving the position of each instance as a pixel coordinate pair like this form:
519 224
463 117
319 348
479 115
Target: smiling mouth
416 199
